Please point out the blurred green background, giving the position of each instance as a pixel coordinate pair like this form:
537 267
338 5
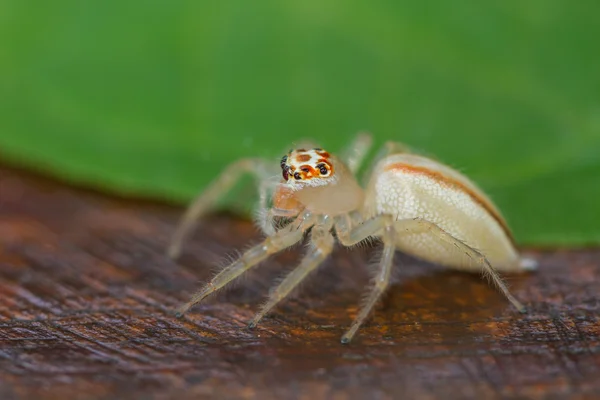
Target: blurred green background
155 97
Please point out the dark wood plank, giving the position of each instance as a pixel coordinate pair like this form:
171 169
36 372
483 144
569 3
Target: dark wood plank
88 295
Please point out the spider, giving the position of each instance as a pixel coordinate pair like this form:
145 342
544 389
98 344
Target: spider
409 202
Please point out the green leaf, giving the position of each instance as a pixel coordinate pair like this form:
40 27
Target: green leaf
155 97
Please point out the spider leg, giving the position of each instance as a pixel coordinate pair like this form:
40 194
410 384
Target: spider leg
284 238
321 245
381 282
357 150
206 200
391 147
349 236
419 225
380 226
387 149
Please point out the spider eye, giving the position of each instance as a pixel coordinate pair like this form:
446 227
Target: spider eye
304 169
283 161
297 176
322 169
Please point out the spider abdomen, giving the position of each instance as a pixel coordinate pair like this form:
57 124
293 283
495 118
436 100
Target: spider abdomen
409 186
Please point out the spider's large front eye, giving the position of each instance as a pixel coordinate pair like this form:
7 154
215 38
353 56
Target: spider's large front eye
322 169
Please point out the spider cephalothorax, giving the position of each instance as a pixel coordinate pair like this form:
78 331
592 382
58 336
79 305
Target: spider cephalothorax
308 167
407 208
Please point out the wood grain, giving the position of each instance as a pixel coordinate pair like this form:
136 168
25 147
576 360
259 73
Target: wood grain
88 298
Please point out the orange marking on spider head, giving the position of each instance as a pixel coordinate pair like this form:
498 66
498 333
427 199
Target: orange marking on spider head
322 153
304 165
303 157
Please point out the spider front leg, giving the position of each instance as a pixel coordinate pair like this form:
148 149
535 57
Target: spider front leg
207 199
321 245
284 238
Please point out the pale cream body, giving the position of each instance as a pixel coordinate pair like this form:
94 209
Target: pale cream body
409 186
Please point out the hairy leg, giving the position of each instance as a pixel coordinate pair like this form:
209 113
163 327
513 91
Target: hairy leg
378 226
381 282
419 225
207 199
351 232
388 148
321 246
354 154
284 238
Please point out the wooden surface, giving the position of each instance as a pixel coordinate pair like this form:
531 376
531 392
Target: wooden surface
88 295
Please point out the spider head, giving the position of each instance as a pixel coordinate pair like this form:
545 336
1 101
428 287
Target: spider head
303 167
317 181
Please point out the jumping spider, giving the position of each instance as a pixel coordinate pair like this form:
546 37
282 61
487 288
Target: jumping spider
411 203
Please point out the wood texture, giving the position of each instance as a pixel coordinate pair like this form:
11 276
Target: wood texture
88 295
